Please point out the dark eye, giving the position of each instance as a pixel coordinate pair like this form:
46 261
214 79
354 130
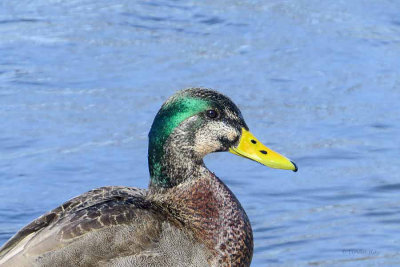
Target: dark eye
212 114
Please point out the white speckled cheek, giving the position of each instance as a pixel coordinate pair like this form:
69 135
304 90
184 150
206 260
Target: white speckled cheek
232 134
207 138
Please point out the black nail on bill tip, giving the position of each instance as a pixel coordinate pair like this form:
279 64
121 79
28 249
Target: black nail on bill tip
295 166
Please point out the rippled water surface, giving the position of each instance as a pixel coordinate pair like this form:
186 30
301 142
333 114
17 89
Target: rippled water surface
319 81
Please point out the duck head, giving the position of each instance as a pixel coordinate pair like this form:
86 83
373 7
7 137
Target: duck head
193 123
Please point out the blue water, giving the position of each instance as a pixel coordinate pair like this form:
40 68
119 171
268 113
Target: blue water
319 81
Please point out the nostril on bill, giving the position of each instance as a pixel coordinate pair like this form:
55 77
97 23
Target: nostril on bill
264 152
253 141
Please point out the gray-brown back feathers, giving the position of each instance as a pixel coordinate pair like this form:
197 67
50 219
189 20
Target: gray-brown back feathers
109 226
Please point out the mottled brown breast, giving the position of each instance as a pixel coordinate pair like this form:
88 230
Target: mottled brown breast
211 211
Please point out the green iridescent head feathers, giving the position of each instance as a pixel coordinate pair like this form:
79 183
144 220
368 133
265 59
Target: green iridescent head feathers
178 108
198 131
172 113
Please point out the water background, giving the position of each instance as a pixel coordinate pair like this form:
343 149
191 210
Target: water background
319 81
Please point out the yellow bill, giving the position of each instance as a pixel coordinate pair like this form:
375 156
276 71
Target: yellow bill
249 147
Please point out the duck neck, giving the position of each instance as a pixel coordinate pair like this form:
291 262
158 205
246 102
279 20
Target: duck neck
173 162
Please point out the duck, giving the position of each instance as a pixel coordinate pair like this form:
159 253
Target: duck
187 216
